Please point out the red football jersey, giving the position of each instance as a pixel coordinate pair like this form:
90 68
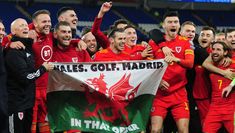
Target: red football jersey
134 51
108 55
175 74
201 86
101 38
70 54
42 50
218 83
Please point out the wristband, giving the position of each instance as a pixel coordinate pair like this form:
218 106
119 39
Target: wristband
233 82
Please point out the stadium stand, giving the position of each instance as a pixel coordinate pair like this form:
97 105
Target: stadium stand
145 20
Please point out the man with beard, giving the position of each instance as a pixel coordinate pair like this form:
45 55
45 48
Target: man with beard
69 15
90 40
114 52
64 51
230 39
201 89
21 88
221 111
172 95
42 49
136 52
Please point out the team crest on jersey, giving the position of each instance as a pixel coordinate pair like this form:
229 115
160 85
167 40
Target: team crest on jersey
178 49
75 59
21 115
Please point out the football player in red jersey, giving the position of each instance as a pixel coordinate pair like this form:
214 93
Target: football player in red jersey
221 111
117 39
131 48
64 51
172 94
42 50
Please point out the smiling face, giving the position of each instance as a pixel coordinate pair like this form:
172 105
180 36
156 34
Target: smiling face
63 35
218 52
19 28
117 42
90 40
2 31
205 38
42 23
131 36
71 17
230 38
171 26
188 31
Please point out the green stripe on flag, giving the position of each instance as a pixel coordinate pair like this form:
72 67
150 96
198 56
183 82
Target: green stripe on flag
66 111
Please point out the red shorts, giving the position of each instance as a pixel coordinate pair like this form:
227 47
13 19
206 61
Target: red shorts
177 102
216 118
203 108
40 109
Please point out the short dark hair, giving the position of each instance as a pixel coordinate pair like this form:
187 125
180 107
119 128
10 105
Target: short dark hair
61 23
39 12
120 21
229 30
209 28
170 14
225 47
129 26
188 23
63 10
113 31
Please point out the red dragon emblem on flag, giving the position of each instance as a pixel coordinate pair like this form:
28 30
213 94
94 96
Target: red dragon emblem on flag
112 106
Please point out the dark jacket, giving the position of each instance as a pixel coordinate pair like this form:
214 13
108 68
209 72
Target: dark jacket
3 95
21 76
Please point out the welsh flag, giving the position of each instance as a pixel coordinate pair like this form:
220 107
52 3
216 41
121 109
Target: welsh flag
105 97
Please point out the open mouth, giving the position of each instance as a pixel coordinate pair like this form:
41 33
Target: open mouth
215 55
204 41
46 27
173 30
133 41
25 32
74 21
66 40
92 47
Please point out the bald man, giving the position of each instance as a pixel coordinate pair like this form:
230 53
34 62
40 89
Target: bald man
21 76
